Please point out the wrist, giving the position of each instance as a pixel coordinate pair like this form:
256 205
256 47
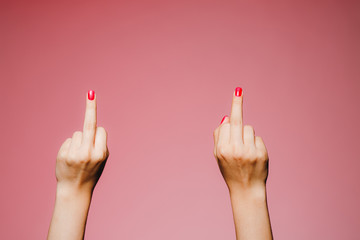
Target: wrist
252 193
71 192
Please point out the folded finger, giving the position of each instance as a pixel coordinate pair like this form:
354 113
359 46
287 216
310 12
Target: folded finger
249 136
64 147
259 143
216 134
76 140
224 133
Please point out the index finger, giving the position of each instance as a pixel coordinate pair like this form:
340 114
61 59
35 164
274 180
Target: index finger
236 117
90 120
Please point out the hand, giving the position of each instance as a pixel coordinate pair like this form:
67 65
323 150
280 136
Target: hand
81 159
242 157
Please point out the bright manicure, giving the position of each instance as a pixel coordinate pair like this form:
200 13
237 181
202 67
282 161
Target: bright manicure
91 95
223 119
238 91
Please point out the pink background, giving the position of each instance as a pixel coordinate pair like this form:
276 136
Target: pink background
164 73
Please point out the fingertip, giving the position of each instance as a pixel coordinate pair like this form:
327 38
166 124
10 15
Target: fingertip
237 97
65 146
102 131
259 142
238 92
91 95
91 100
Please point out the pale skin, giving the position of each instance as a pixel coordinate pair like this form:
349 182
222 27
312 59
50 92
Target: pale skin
243 161
242 158
79 164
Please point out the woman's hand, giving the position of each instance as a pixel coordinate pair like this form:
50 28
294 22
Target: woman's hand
81 159
243 162
242 156
79 164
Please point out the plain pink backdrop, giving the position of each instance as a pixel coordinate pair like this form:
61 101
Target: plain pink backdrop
164 73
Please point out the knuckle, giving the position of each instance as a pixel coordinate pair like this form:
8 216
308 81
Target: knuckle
252 155
251 151
80 157
83 161
245 154
61 155
222 152
262 155
99 155
253 159
249 159
237 150
238 153
71 157
85 156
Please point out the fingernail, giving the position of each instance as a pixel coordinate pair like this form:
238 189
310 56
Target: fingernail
238 91
223 119
91 95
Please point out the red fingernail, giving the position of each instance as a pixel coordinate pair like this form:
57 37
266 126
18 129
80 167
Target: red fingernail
223 119
238 91
91 95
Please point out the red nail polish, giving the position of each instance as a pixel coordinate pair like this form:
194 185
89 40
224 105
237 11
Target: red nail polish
91 95
223 119
238 91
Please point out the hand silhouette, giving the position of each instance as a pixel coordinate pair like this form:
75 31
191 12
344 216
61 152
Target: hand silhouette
242 156
81 159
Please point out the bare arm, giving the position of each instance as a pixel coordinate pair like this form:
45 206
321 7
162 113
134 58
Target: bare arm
243 162
79 164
